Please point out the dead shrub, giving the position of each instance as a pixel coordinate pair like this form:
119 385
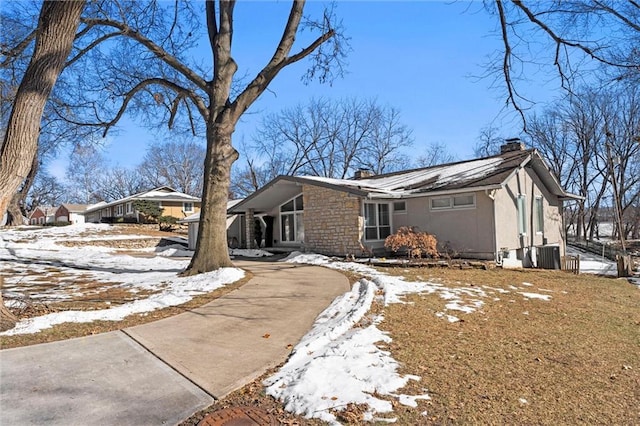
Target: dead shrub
416 243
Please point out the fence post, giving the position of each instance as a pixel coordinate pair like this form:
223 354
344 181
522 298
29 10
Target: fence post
624 265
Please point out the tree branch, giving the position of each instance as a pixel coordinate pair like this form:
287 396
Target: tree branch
279 60
562 41
18 49
506 62
154 48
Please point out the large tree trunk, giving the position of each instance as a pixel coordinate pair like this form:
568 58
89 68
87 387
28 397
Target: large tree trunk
7 319
57 27
56 31
211 246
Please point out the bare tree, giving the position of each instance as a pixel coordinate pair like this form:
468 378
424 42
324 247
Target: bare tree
57 24
488 142
436 153
84 174
53 41
326 138
177 164
46 190
164 82
590 140
119 182
573 38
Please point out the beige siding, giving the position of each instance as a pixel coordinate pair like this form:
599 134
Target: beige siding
526 182
175 209
468 231
332 221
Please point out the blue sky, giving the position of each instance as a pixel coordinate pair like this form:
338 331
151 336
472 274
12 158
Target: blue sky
421 57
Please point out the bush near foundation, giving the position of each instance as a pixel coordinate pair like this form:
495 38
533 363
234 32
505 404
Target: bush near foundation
416 243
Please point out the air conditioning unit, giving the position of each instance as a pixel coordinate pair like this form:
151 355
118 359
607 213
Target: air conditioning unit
548 257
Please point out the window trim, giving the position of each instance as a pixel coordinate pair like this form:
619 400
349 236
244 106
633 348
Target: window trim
377 225
400 211
539 214
521 212
295 213
184 207
451 199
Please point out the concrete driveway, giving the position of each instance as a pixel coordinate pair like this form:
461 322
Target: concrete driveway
162 372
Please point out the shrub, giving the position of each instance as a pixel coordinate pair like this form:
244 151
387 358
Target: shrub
416 243
166 223
149 209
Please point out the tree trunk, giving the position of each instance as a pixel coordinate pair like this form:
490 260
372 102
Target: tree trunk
7 319
211 246
57 26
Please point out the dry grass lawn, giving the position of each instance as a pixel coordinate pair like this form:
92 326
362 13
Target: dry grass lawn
572 360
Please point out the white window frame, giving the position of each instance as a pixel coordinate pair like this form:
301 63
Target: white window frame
129 208
120 210
189 210
451 202
521 211
297 219
402 210
539 214
377 224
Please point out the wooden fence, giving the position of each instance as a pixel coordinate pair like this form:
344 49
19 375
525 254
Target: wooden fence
571 264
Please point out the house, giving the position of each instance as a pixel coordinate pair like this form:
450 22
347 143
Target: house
72 213
235 228
172 202
506 207
43 214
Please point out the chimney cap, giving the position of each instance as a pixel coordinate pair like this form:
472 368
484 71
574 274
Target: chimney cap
512 144
362 173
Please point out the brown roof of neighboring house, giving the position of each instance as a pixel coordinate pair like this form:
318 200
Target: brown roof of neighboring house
75 208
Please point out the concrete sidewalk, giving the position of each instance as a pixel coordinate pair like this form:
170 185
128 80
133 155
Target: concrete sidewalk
162 372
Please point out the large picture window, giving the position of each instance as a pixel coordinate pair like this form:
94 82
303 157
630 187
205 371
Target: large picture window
291 220
377 221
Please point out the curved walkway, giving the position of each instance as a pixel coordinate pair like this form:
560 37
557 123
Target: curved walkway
162 372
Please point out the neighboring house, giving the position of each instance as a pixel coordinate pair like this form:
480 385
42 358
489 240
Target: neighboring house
235 228
72 213
507 207
172 202
43 214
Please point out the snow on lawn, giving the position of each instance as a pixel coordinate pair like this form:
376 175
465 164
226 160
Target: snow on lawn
339 363
32 258
593 264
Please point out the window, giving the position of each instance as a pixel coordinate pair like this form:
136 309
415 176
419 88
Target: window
539 215
119 210
187 207
377 221
291 220
522 214
461 201
399 207
129 208
441 203
464 201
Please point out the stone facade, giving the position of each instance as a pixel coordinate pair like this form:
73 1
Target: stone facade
332 221
250 235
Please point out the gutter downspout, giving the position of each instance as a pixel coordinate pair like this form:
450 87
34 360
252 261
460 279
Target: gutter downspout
492 195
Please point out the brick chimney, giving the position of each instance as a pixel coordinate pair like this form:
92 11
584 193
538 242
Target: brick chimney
362 174
513 144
